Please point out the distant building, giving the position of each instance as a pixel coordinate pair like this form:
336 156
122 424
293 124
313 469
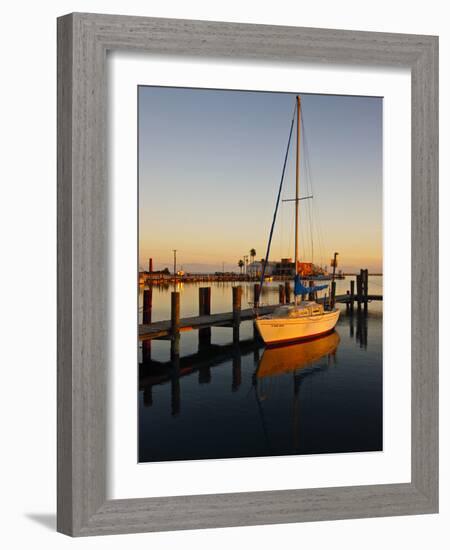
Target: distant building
255 268
283 268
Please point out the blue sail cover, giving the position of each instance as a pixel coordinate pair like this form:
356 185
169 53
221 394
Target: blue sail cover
299 289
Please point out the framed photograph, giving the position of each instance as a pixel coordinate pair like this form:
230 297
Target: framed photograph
247 274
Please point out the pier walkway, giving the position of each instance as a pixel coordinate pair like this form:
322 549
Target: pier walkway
163 329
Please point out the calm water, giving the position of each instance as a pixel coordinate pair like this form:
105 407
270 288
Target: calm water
217 399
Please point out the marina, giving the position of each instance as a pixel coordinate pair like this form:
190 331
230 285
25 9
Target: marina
357 296
255 336
205 395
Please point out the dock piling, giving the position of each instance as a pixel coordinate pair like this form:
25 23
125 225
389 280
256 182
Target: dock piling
359 290
311 293
147 309
281 294
146 320
333 294
204 308
204 300
237 301
352 295
175 313
366 289
256 289
287 289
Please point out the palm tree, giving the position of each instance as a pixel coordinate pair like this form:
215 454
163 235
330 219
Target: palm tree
241 265
252 256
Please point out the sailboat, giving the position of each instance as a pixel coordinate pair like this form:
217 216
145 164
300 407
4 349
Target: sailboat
302 319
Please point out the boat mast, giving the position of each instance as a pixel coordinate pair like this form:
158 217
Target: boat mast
297 186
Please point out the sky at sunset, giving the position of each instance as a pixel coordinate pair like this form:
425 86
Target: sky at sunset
210 164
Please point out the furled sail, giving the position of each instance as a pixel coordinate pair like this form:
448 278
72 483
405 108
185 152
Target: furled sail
300 289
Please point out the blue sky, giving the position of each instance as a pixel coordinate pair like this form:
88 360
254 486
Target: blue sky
209 167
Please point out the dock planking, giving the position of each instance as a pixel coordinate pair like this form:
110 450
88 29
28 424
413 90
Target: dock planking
162 329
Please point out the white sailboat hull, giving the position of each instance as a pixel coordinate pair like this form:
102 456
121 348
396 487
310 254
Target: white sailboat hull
275 330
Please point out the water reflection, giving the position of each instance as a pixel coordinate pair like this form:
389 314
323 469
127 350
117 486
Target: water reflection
301 360
283 359
273 362
229 396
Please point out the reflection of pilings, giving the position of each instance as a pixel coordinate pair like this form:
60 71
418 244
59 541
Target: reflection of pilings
148 396
204 338
204 334
146 351
256 338
175 373
296 406
361 329
236 370
352 326
204 375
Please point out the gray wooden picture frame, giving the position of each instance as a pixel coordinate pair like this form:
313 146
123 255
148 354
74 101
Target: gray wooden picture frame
83 41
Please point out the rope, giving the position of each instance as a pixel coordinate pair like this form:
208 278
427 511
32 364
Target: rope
263 271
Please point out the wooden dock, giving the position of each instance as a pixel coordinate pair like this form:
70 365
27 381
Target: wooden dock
162 329
168 328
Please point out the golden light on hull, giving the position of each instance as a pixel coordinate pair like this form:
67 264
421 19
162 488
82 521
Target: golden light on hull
288 358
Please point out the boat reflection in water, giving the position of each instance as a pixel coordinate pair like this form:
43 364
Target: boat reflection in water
283 359
301 360
208 395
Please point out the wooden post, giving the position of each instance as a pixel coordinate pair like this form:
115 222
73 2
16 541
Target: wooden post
358 290
347 303
333 294
366 289
147 309
281 294
204 300
352 295
204 334
175 312
237 299
255 294
311 293
287 289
